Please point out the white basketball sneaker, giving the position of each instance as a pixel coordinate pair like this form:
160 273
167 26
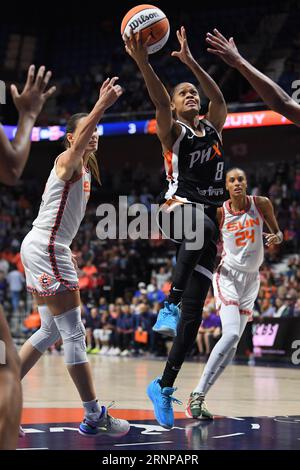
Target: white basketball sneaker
106 424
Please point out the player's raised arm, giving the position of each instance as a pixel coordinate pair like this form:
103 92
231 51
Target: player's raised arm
14 155
217 111
70 159
271 93
167 128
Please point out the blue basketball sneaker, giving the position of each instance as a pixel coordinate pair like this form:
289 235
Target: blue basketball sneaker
162 401
105 424
167 320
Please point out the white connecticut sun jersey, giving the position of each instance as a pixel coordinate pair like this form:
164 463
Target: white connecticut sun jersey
63 206
242 234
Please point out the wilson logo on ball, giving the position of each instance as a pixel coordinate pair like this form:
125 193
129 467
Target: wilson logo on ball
142 19
150 21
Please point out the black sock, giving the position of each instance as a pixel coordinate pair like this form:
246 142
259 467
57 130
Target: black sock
169 375
175 295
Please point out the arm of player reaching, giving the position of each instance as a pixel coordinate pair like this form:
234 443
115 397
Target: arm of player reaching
271 93
217 110
14 154
220 215
70 159
266 208
167 129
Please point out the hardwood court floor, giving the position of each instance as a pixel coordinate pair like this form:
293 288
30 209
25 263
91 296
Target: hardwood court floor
255 407
241 390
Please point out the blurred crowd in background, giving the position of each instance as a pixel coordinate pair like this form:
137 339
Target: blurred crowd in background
82 56
124 283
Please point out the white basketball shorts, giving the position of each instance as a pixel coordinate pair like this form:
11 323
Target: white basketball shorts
48 268
233 287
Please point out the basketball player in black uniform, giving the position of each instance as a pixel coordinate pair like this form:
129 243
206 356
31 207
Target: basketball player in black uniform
192 149
13 157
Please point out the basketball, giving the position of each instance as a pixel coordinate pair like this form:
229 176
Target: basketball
150 20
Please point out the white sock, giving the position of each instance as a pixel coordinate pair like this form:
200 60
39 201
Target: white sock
92 409
233 324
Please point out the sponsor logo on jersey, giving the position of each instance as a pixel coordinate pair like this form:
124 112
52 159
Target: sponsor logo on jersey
211 191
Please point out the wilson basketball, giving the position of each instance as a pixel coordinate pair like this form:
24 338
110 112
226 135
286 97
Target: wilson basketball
150 20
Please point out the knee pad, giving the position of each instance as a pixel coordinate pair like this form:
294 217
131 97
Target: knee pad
72 332
48 333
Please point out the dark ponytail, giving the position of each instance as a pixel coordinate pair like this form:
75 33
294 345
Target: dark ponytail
92 161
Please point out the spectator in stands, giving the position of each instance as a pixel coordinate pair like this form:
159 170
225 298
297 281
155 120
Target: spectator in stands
103 305
141 290
32 322
290 301
105 331
210 329
143 321
16 283
4 265
297 308
275 192
3 287
268 308
114 314
297 185
162 276
154 294
125 330
282 308
93 325
90 269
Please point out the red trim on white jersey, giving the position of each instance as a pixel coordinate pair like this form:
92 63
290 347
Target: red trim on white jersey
258 209
232 212
54 230
222 218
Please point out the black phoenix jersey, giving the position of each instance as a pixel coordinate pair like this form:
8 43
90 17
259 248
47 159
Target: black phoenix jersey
195 166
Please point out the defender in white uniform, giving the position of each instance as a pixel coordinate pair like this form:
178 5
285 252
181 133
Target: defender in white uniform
236 281
45 251
50 272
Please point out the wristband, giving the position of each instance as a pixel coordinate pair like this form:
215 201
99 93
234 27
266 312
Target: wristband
279 235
